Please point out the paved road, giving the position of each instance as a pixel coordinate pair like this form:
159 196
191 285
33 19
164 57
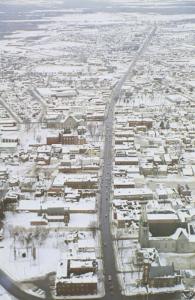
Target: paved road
9 110
35 94
112 286
113 293
14 289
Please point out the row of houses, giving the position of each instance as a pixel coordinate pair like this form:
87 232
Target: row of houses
152 199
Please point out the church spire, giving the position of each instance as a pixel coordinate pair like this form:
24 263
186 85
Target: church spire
143 228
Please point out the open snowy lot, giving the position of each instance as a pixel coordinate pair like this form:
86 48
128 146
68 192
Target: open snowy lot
17 260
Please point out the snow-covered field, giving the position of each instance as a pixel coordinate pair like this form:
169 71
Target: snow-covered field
24 269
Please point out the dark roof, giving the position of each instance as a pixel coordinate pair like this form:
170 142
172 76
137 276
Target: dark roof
158 271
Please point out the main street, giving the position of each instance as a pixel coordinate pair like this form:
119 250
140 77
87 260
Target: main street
112 288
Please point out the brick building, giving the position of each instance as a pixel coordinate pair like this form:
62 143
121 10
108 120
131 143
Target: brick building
76 277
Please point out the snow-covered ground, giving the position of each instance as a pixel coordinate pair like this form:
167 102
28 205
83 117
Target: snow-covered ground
53 247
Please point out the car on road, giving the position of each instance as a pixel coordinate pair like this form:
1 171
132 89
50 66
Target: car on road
109 277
